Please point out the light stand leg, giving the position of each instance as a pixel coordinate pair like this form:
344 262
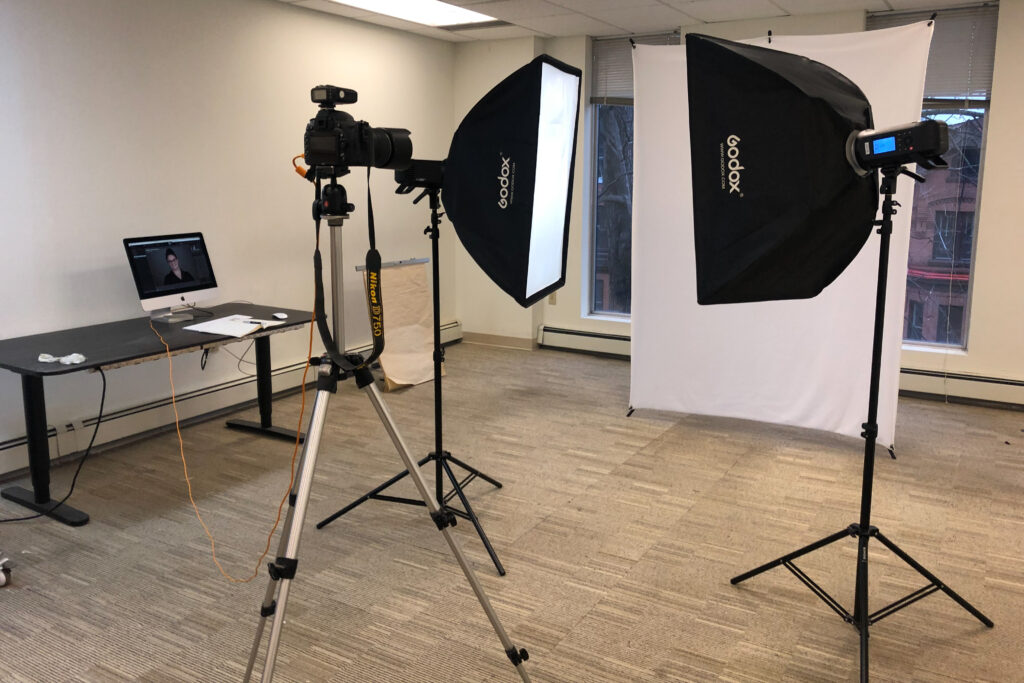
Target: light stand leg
282 570
786 559
898 552
443 520
861 618
439 456
860 610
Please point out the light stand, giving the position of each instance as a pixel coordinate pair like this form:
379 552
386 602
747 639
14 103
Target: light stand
442 459
282 570
861 619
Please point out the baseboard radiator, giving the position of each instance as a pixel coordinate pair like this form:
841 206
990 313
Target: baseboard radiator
954 387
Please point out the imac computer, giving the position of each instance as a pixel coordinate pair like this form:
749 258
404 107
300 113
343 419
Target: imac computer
172 273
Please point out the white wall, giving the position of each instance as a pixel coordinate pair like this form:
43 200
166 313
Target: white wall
129 117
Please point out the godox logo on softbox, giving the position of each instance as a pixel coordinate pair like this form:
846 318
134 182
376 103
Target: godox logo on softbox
734 165
506 181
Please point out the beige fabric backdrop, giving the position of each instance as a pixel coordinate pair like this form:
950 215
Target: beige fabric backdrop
408 335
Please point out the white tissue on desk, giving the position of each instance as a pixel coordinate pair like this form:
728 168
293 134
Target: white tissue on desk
70 359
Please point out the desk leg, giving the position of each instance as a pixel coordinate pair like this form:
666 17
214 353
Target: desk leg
264 398
39 459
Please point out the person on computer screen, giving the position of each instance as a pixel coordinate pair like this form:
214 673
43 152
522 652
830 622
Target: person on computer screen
177 275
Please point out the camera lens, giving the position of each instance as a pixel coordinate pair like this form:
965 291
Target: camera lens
392 147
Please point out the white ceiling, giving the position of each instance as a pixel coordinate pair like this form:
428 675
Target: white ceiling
547 18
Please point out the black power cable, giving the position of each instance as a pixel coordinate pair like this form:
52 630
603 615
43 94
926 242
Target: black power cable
88 449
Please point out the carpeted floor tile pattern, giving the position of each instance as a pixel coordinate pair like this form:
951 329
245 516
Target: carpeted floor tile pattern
619 536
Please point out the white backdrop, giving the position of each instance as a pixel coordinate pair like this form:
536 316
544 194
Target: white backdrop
804 362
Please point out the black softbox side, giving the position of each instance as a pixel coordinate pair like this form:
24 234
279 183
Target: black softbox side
779 212
507 183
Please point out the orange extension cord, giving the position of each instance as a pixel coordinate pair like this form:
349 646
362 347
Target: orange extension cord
184 462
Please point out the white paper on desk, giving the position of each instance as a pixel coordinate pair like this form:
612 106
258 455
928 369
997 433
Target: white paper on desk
231 326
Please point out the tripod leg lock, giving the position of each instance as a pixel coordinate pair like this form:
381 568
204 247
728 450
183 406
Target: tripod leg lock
364 377
870 430
443 518
282 568
517 657
268 610
327 381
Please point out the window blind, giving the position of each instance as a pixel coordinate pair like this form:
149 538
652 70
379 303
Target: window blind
963 49
612 66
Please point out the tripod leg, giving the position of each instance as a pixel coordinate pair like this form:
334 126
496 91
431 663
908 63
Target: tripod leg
839 535
268 606
282 570
515 655
931 577
471 516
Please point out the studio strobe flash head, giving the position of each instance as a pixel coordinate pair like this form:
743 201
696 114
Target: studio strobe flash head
922 143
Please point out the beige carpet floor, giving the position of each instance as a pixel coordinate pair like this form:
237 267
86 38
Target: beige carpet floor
619 536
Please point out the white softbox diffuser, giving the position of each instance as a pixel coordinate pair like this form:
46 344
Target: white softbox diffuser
800 362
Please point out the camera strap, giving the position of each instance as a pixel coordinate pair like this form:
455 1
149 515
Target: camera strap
374 299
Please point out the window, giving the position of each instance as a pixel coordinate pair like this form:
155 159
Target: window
957 91
612 115
954 231
915 320
950 324
613 209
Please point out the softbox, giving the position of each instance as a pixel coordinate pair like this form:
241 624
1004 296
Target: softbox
508 178
779 212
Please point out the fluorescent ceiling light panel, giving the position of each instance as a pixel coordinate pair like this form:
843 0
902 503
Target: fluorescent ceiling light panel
426 12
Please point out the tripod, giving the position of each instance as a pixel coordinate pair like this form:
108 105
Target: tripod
332 367
861 619
441 458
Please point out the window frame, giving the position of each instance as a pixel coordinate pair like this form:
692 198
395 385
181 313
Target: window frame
610 84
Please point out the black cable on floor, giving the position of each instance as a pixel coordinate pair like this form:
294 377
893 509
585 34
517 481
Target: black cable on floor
88 449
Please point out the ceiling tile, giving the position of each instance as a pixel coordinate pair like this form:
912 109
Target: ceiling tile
512 10
927 4
728 10
644 19
332 8
570 25
819 6
495 33
589 6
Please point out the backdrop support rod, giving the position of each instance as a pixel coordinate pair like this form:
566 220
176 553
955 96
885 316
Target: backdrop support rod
442 459
861 618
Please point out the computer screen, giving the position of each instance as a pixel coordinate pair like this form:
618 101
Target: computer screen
170 269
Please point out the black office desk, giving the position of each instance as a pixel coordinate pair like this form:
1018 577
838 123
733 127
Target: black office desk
112 345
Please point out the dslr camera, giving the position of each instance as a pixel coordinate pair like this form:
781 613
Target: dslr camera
335 139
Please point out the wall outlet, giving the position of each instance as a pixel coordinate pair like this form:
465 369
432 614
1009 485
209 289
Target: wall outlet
552 298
